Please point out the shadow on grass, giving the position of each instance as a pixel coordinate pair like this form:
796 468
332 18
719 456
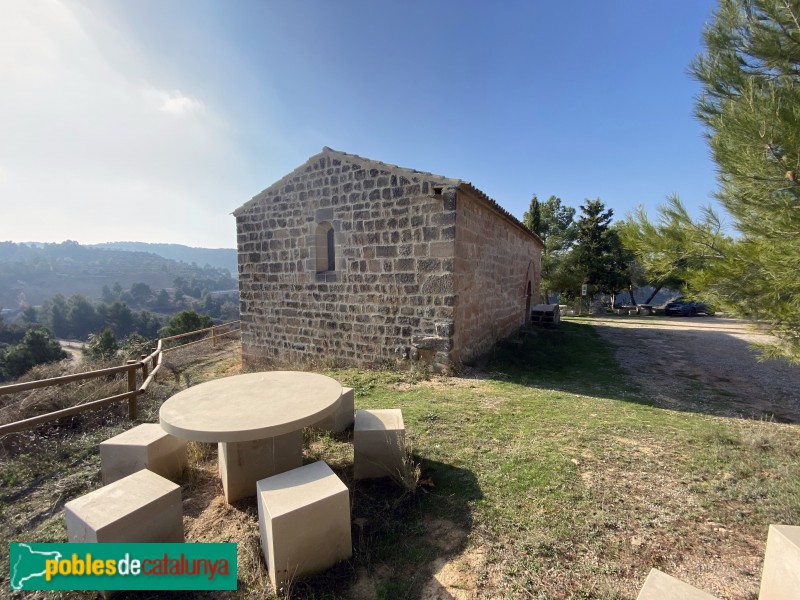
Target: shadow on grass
400 537
685 375
571 358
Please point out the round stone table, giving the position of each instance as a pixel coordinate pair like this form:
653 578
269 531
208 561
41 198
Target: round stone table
256 418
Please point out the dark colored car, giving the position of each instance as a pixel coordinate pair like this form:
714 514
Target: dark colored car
686 308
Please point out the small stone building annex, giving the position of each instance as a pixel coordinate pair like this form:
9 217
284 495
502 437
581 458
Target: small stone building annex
355 261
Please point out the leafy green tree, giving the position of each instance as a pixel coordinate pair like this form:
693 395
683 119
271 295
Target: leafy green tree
82 316
120 318
10 334
101 346
558 232
140 292
599 252
750 73
135 345
184 322
53 314
180 283
555 225
29 315
146 324
562 274
36 348
162 299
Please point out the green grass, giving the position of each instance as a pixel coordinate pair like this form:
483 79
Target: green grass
552 461
553 477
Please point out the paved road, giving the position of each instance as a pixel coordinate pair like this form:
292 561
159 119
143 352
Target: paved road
704 364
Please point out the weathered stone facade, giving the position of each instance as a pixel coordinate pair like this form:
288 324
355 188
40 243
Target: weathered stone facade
361 262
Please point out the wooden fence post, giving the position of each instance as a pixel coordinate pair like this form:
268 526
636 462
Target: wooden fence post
144 367
132 388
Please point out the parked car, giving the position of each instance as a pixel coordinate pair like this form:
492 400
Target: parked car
687 308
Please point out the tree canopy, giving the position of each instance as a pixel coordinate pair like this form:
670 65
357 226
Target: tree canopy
750 73
599 252
37 347
554 223
185 322
674 251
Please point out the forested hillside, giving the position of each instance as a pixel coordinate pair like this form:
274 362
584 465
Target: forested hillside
221 258
30 273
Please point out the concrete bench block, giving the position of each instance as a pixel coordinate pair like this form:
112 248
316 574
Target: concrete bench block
242 464
304 520
660 586
146 446
142 507
780 579
378 443
343 417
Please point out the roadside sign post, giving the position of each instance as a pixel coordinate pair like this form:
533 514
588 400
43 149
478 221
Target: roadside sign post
584 289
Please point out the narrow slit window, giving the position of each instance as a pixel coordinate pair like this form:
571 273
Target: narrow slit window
325 248
331 251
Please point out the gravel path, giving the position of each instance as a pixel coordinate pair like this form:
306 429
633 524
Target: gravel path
704 364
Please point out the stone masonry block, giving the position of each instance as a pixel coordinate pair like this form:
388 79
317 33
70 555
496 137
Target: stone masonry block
780 579
146 446
304 521
378 443
343 417
142 507
660 586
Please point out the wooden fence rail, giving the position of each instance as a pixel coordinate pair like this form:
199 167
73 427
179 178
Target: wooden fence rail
149 365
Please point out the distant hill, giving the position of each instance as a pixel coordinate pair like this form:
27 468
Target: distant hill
30 273
221 258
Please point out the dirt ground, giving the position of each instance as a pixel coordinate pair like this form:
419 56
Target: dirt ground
704 364
74 350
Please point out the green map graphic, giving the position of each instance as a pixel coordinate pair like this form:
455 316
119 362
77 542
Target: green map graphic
28 564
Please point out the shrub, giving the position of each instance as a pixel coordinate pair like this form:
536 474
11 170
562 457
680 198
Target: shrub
101 345
37 347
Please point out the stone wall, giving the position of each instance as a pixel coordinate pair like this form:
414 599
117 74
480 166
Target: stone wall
390 296
494 262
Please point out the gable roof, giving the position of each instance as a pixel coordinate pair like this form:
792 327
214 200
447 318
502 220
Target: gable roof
368 163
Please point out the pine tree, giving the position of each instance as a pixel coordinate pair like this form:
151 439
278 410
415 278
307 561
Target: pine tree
750 73
532 218
673 251
599 253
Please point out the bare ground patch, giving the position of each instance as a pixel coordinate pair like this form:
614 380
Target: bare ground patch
704 365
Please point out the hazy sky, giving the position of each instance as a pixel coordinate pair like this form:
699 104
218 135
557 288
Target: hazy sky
152 120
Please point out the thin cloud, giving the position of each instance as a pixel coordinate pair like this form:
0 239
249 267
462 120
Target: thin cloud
173 102
89 137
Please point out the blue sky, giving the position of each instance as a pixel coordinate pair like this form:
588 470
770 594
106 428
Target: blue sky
153 120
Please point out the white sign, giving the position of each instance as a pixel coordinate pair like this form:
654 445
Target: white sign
583 289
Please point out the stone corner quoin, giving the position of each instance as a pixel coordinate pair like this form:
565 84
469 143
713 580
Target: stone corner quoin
355 261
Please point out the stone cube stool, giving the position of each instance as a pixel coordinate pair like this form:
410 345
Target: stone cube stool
304 520
343 417
660 586
142 507
144 447
378 443
780 579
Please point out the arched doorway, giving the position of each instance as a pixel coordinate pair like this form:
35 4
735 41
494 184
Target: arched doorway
528 303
